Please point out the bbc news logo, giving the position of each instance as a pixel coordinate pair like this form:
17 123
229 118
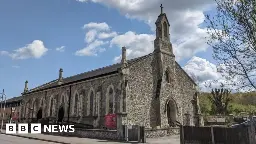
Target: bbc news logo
37 128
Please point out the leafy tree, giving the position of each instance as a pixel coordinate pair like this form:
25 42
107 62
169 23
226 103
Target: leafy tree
220 99
232 34
205 103
240 102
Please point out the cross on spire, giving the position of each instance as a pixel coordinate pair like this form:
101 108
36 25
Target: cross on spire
161 6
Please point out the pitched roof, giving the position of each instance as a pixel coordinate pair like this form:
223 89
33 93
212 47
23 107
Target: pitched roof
14 99
160 17
186 73
89 75
86 75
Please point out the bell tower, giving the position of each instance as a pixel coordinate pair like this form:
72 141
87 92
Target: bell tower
163 62
162 42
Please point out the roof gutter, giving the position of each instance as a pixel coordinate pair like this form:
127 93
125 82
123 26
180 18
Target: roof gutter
106 74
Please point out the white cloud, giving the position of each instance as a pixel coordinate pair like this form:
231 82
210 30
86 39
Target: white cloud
97 26
201 69
208 75
95 38
105 35
90 36
34 50
92 49
4 53
61 49
203 72
137 44
184 16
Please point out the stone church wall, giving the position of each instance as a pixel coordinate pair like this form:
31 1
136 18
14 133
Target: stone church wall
143 106
79 110
170 90
139 96
187 89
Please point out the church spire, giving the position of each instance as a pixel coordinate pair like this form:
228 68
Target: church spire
162 42
162 25
161 6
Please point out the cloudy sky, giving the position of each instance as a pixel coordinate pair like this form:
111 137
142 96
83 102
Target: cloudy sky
37 37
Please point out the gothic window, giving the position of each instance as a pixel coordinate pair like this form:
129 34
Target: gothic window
116 105
96 105
124 95
159 32
111 100
62 100
91 102
33 110
51 107
81 102
76 105
167 76
158 88
165 29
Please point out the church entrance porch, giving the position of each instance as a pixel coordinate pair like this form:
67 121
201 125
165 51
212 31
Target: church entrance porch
171 110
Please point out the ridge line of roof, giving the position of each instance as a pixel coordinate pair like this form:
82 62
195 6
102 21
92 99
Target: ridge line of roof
87 72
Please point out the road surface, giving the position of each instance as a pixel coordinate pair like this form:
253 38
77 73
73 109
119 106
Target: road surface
7 139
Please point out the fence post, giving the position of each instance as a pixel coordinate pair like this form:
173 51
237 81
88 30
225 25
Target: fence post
182 141
143 135
251 131
212 135
139 135
126 133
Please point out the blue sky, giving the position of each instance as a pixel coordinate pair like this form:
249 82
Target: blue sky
60 23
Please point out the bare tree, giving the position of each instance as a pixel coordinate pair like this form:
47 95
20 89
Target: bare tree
220 99
232 34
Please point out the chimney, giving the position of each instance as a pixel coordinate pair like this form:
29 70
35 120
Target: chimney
60 76
26 86
123 61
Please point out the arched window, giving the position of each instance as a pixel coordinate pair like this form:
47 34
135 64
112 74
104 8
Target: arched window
111 100
91 102
51 107
33 110
25 110
165 29
81 102
116 105
76 105
62 101
167 76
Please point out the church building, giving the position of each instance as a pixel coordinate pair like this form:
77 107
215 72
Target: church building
151 91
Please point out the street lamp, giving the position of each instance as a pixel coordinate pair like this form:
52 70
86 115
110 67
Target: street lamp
3 98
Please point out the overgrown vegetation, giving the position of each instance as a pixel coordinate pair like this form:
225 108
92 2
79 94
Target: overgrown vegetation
239 102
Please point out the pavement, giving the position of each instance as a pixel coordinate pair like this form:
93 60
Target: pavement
50 139
6 139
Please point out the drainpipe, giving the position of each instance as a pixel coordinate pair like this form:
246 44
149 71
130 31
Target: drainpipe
69 102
